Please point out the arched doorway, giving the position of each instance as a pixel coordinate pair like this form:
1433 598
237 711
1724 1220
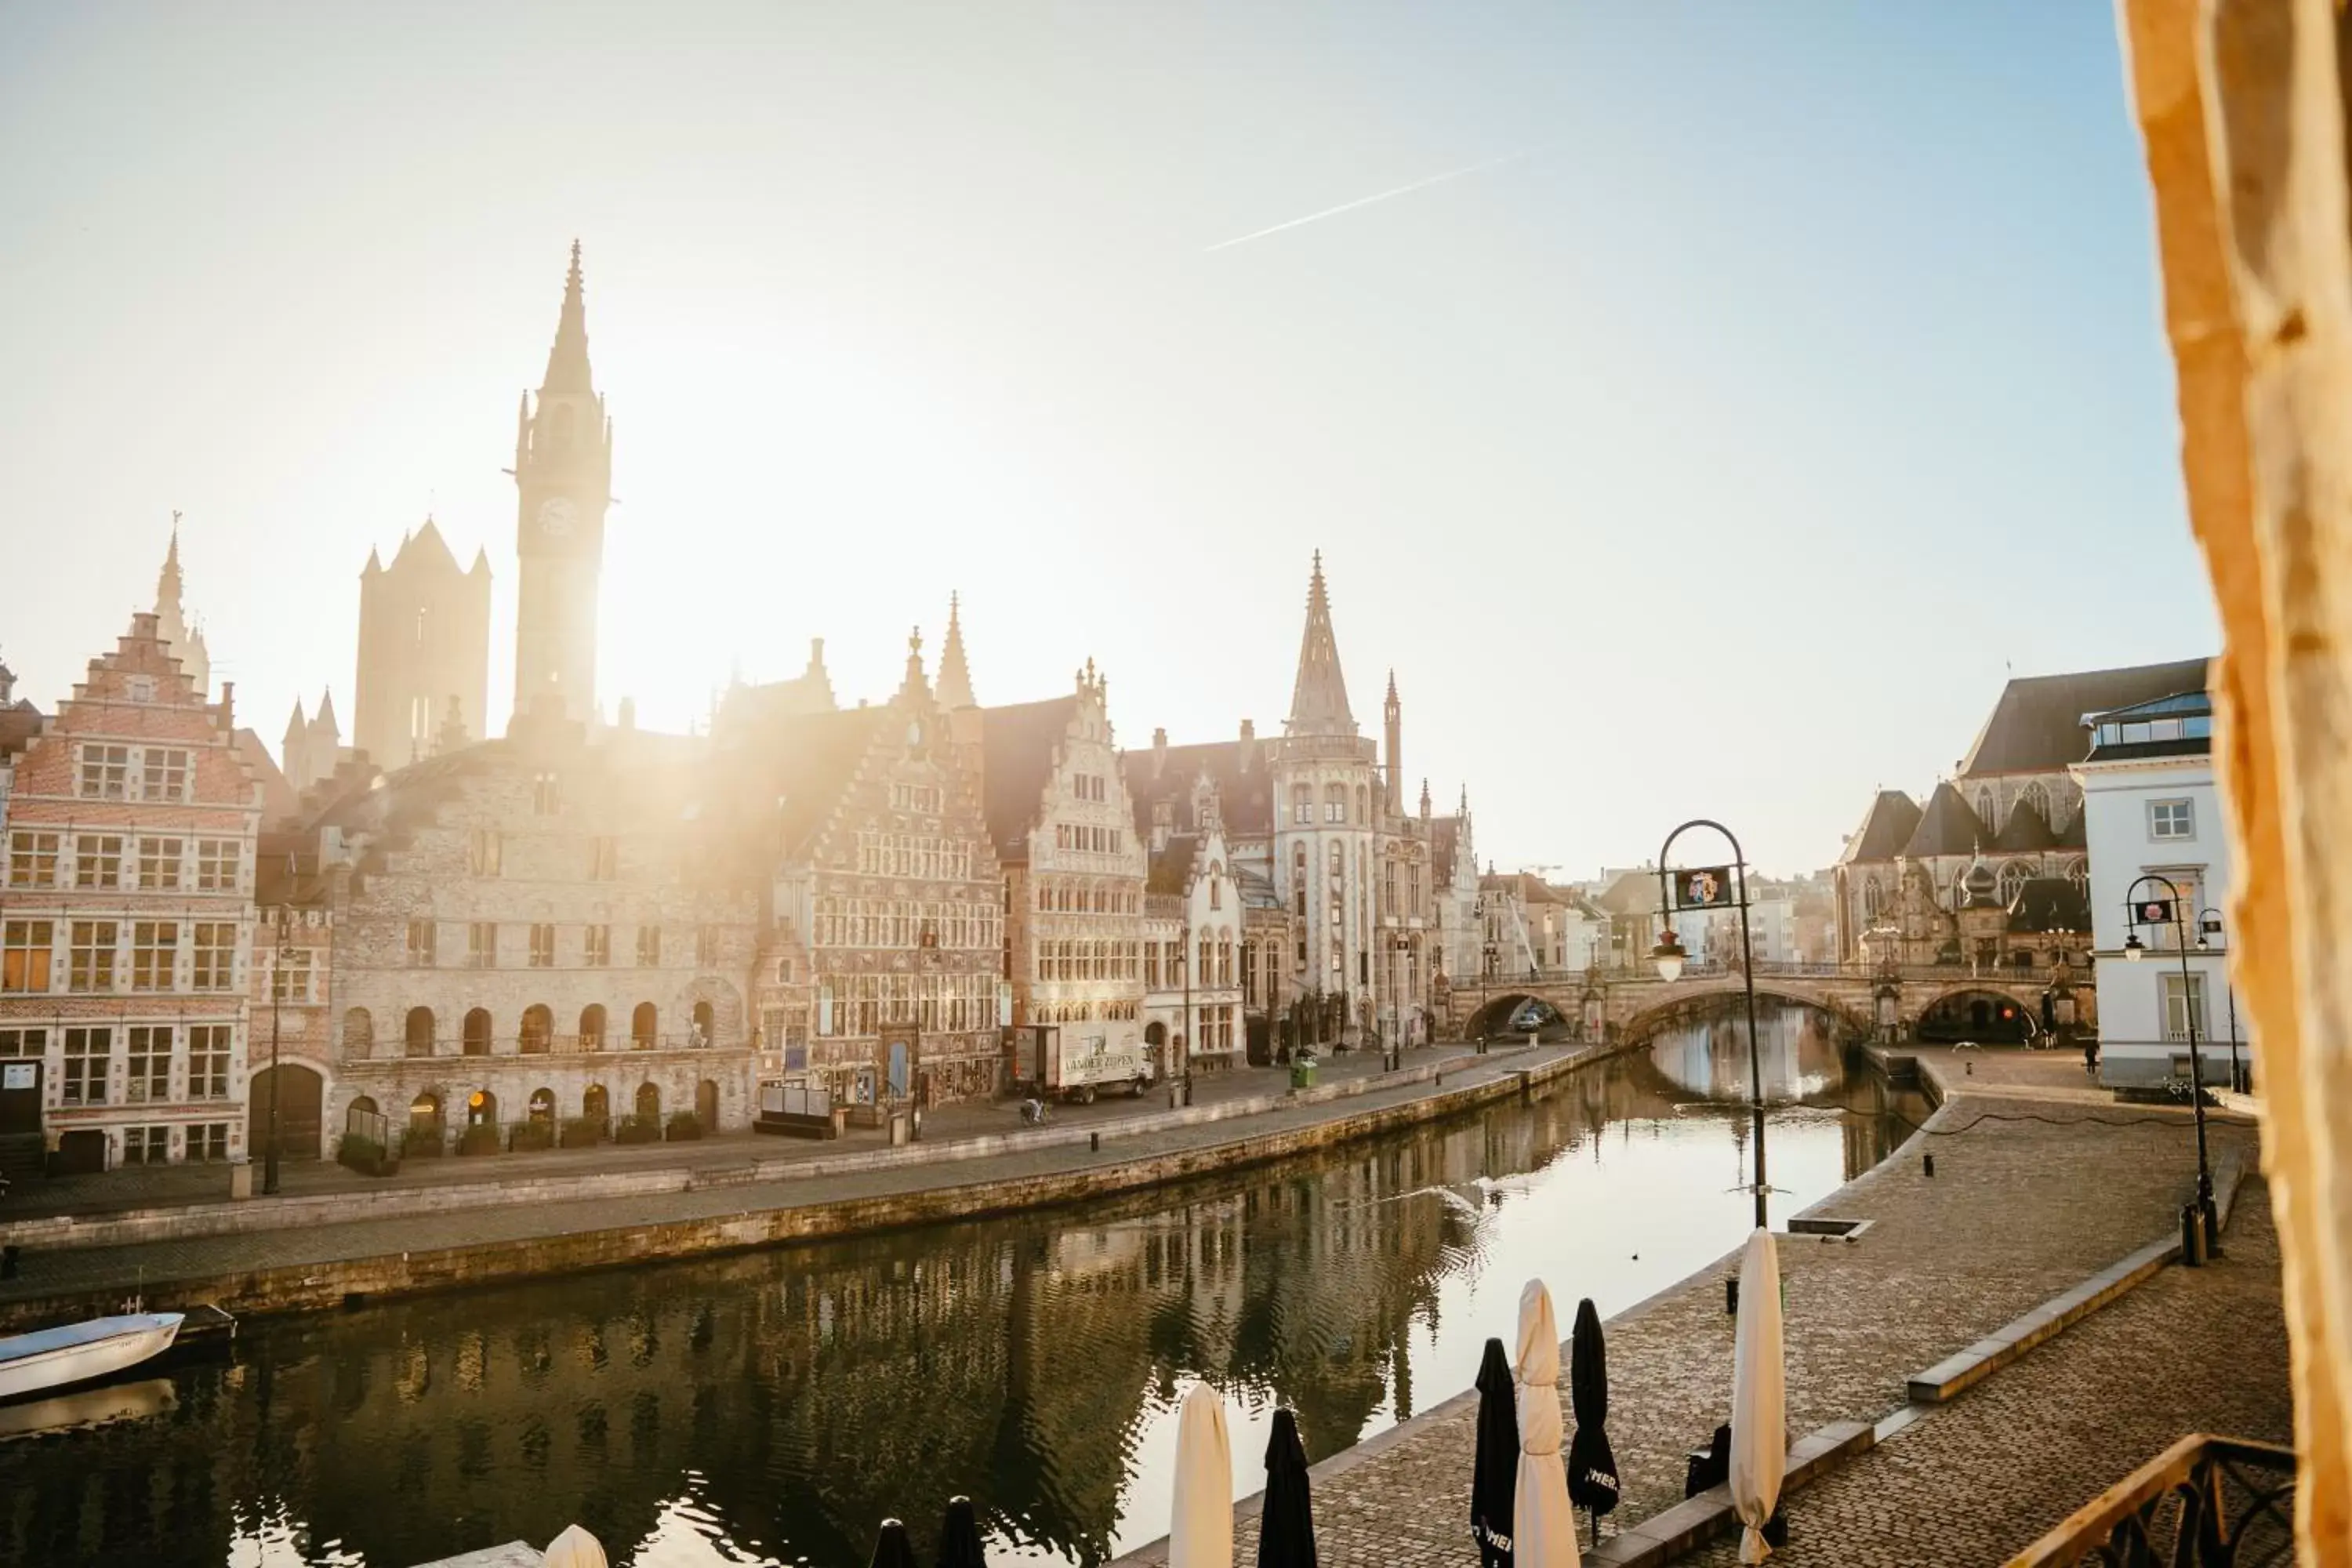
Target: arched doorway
481 1109
704 1024
538 1030
542 1105
1155 1042
643 1024
706 1105
649 1103
1986 1017
425 1117
591 1027
417 1035
301 1120
596 1105
478 1031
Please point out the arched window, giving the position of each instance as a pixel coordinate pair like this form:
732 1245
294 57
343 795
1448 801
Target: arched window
2079 873
417 1035
425 1113
1202 974
1985 813
1873 899
1298 882
596 1105
643 1025
542 1105
2034 795
538 1030
359 1032
1302 805
648 1102
705 1024
361 1116
1363 805
591 1027
478 1031
1216 889
2012 879
1335 802
481 1109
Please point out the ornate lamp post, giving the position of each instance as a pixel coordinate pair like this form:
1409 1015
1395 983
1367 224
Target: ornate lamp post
2160 912
1712 887
2209 926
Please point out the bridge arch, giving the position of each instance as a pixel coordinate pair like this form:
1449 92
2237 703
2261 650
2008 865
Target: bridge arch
1972 1010
1713 1000
1493 1019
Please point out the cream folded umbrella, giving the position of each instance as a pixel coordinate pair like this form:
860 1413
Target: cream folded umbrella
1201 1532
575 1548
1543 1523
1759 1397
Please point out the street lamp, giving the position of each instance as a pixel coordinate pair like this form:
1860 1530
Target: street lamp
2208 925
1706 888
2158 912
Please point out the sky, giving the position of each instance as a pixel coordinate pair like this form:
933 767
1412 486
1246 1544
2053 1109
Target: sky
1726 401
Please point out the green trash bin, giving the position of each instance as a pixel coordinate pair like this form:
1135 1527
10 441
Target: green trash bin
1302 1072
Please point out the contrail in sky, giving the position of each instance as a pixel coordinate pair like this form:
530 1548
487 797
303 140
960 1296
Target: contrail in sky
1367 201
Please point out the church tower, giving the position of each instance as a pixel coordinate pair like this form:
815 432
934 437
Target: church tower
563 472
186 642
424 644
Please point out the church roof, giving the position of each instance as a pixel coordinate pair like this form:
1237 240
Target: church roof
1238 769
1018 744
426 551
567 359
1947 827
1886 828
1171 868
1318 701
2037 724
2026 831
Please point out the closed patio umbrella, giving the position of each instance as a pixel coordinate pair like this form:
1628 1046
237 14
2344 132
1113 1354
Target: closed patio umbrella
1201 1529
1285 1531
1592 1468
891 1548
959 1543
1543 1526
1495 1475
1759 1392
575 1548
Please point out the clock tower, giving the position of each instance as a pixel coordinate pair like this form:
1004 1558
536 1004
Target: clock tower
563 472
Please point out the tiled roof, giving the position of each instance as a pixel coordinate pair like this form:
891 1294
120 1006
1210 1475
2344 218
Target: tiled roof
2026 831
1017 743
1947 827
1885 828
799 767
278 801
1171 868
1633 893
1238 768
19 722
2037 724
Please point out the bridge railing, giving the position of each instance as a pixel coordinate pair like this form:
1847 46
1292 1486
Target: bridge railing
1613 974
2206 1500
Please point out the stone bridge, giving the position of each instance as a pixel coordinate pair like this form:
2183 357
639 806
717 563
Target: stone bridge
1867 1001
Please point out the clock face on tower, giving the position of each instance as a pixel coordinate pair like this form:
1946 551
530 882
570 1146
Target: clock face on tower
555 516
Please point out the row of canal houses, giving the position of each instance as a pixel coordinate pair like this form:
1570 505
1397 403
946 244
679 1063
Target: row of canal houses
579 931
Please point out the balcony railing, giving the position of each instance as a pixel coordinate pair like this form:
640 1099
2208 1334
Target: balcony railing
2205 1502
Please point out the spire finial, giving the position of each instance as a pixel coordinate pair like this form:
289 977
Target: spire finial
1318 701
954 688
567 362
915 643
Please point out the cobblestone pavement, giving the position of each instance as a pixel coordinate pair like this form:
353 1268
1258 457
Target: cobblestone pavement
162 1185
2194 1350
2020 1209
144 1265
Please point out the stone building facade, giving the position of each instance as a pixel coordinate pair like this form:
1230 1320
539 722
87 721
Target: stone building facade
1194 930
533 931
423 653
126 913
881 958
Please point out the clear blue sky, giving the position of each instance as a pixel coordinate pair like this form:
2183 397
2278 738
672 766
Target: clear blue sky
1718 453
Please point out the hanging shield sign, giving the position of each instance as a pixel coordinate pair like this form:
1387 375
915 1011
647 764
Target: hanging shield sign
2155 912
1703 887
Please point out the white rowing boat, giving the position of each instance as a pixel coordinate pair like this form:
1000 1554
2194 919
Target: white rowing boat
79 1351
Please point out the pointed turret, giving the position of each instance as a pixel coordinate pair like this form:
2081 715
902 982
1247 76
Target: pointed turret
375 567
167 581
1318 702
297 728
567 361
914 684
1392 710
1424 800
955 676
172 625
324 723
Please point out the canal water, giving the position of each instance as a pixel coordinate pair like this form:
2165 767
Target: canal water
773 1408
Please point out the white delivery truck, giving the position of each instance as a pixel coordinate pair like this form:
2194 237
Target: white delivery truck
1064 1063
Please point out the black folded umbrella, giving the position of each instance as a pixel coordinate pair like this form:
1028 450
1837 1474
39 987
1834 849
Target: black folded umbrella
891 1548
1285 1531
1495 1479
1592 1468
959 1543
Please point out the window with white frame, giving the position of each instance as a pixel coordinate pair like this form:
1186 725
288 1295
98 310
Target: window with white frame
213 946
2170 819
19 1043
98 860
105 772
146 1145
159 865
154 955
217 865
147 1063
33 859
88 1048
25 954
2184 1002
291 976
164 774
208 1060
90 955
208 1142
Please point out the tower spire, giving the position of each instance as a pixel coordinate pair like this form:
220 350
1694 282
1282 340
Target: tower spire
167 581
567 361
1318 702
955 676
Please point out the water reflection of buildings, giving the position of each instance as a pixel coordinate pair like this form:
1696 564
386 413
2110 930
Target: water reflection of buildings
800 1396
